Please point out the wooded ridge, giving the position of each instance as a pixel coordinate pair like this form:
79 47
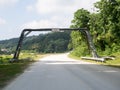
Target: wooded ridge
43 43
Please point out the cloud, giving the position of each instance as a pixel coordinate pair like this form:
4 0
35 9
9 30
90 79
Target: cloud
2 21
39 24
7 2
58 13
53 6
29 8
53 22
62 6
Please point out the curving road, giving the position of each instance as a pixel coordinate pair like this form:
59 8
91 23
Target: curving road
58 72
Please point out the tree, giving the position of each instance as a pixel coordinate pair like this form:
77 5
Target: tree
44 43
104 26
78 40
81 19
108 29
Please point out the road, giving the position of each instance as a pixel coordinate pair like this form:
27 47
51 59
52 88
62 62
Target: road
58 72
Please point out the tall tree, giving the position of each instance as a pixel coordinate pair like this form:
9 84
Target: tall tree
104 26
78 42
109 25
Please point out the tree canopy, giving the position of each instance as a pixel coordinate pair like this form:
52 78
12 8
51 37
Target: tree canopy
104 26
44 43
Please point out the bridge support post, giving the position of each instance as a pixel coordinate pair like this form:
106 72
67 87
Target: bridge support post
91 44
17 51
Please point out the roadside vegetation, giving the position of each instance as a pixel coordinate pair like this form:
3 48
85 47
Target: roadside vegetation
104 26
9 71
54 42
112 63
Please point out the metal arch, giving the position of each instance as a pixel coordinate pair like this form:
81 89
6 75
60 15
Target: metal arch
25 32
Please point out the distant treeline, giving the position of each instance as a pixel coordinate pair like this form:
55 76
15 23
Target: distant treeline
55 42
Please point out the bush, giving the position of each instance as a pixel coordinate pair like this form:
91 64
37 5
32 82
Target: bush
80 51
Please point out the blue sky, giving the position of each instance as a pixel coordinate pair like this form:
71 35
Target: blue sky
15 15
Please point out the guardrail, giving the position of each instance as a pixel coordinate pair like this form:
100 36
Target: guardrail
102 59
93 58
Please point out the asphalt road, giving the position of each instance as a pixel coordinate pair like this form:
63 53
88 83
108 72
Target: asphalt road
58 72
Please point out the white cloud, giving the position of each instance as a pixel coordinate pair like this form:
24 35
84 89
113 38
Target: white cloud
62 6
51 6
39 24
2 21
59 13
53 22
7 2
29 8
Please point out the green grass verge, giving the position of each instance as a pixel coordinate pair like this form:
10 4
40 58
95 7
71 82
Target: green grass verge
112 63
9 71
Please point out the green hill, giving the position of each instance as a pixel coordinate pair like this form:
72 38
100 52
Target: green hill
43 43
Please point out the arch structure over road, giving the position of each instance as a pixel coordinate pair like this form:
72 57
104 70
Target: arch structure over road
84 31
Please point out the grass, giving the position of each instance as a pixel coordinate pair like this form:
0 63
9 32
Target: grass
112 63
9 71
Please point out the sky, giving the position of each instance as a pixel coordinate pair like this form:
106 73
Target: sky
16 15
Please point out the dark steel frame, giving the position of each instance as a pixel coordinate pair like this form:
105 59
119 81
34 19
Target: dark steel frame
25 32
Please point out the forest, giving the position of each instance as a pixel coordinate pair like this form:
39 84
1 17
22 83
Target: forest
54 42
104 26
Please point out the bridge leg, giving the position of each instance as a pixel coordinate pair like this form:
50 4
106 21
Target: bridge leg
17 52
91 44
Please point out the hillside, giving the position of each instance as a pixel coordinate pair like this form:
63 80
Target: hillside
45 43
